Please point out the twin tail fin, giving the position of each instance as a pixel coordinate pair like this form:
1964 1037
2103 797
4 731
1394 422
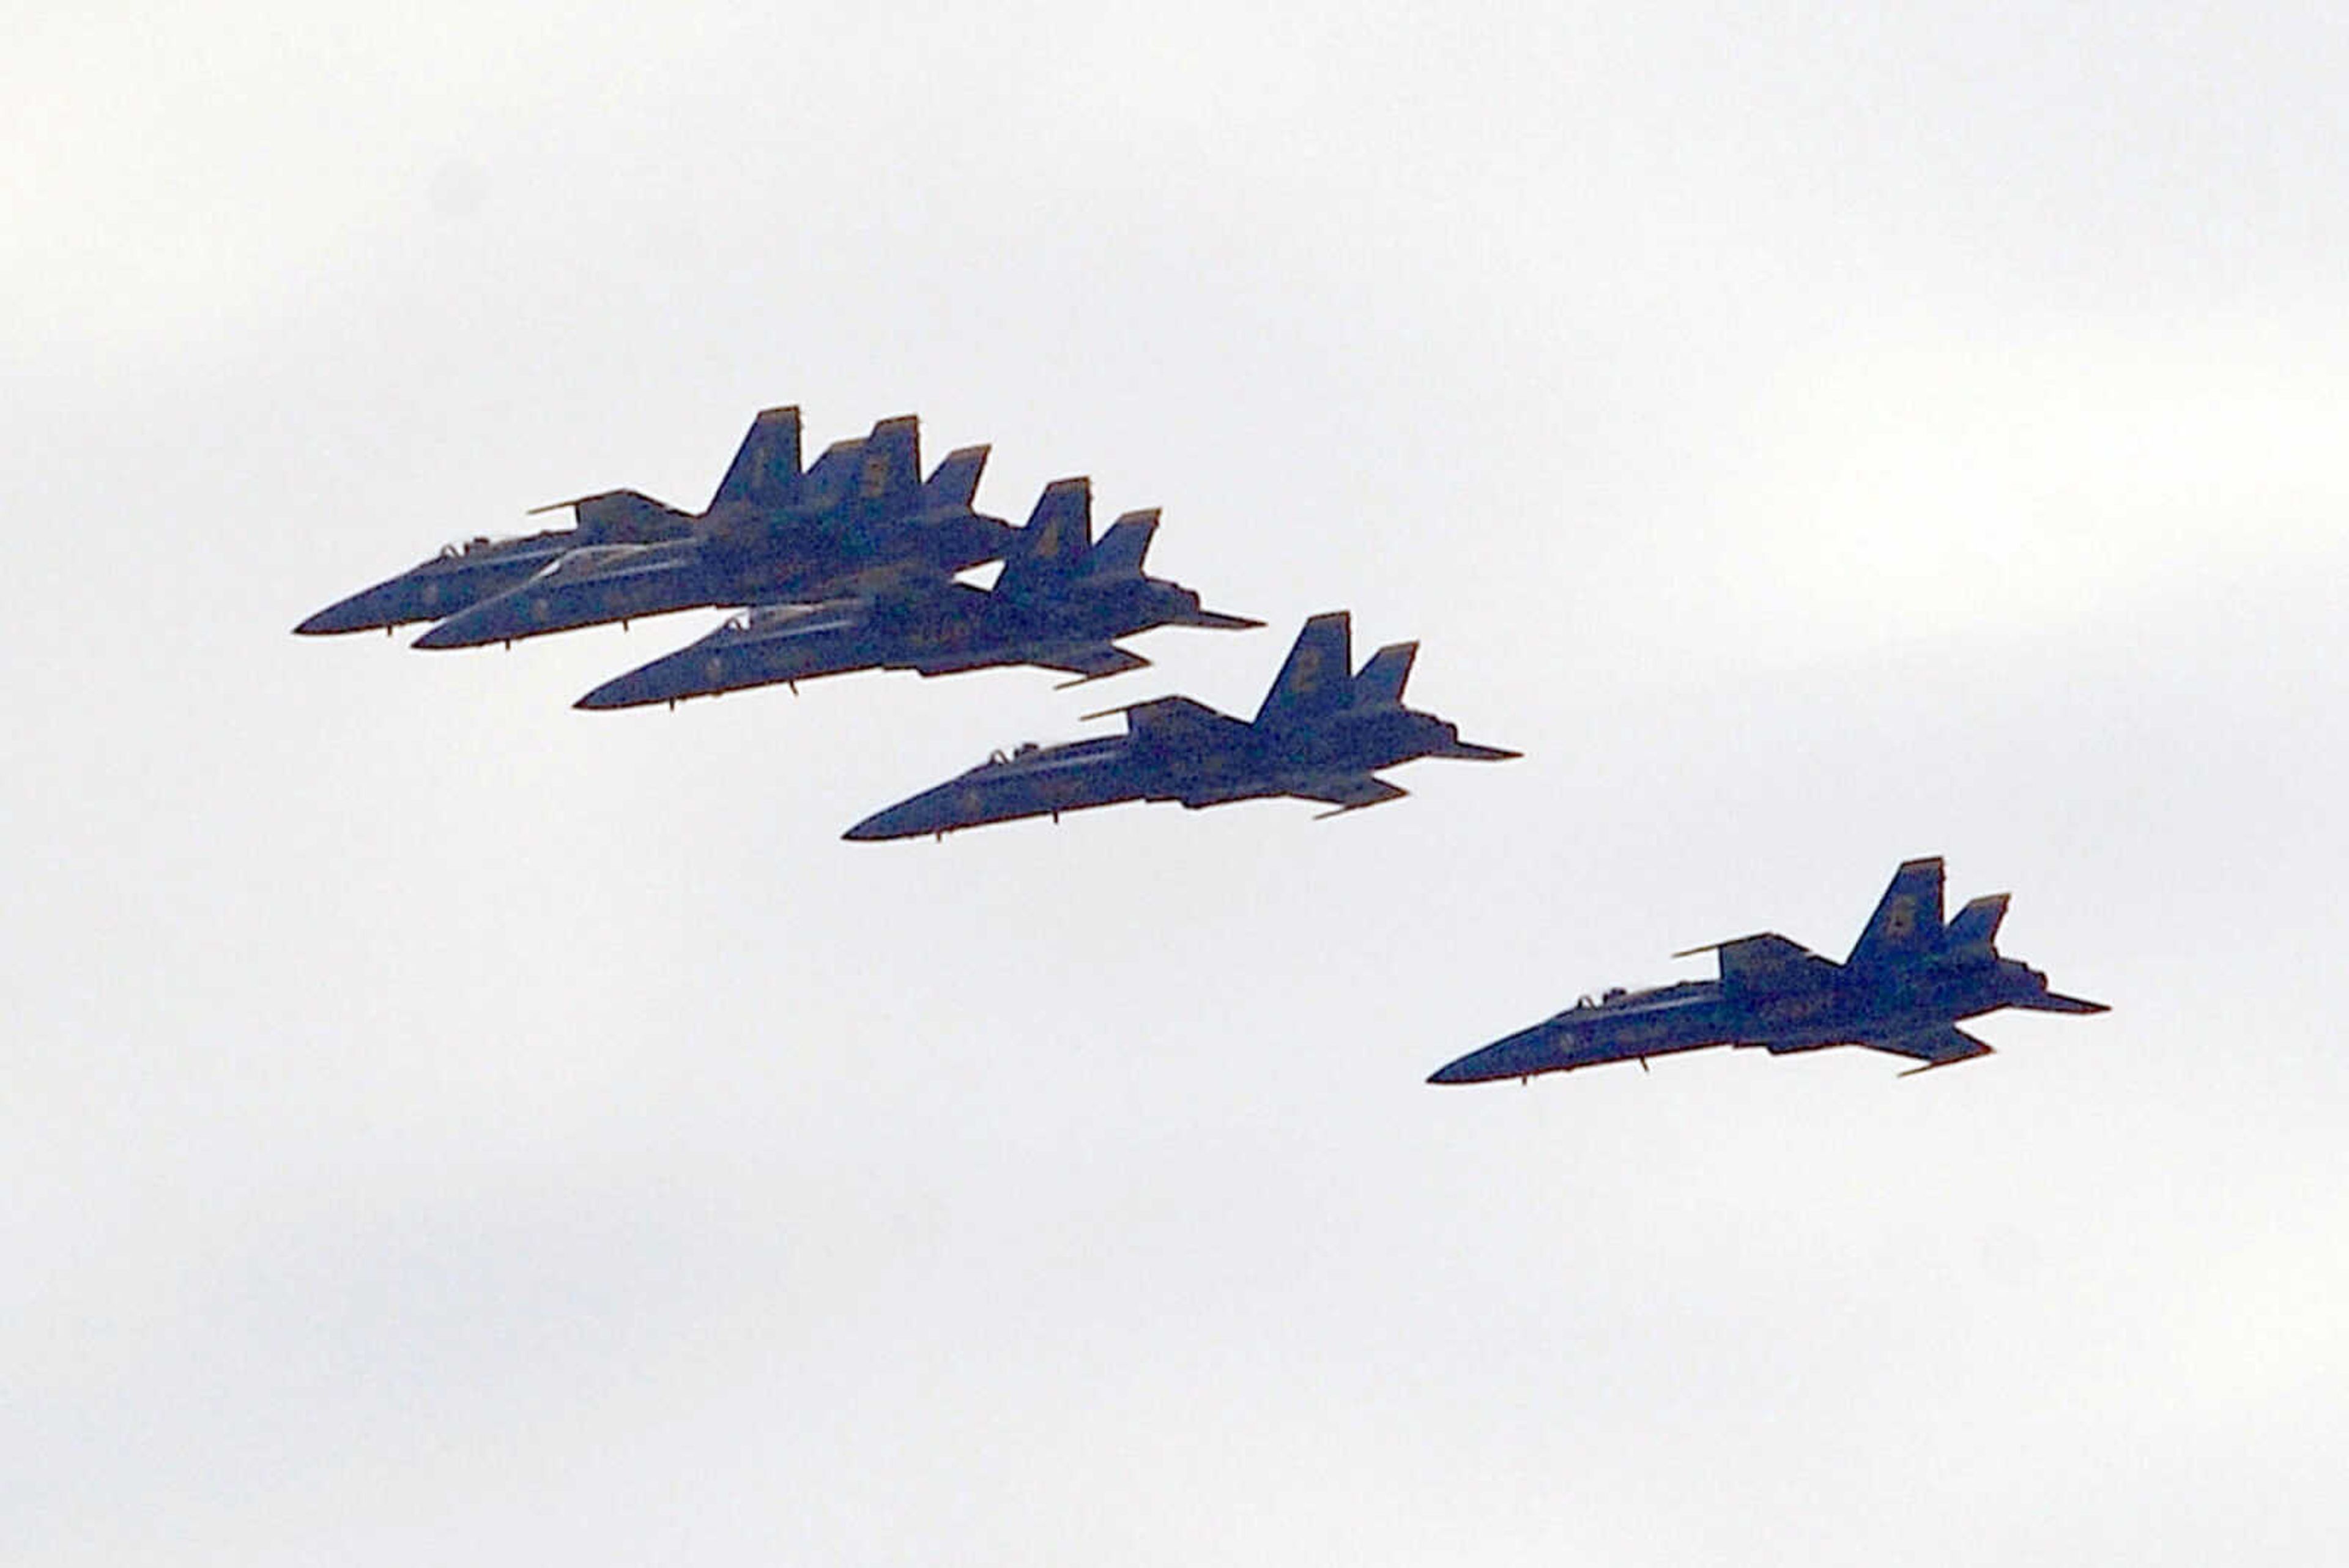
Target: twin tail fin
766 468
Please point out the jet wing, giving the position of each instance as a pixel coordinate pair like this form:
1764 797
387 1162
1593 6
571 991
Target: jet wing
1181 722
1088 660
1936 1048
1349 793
1767 964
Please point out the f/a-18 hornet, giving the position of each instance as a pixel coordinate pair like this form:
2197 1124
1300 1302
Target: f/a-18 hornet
860 515
1904 988
1060 602
1320 736
765 475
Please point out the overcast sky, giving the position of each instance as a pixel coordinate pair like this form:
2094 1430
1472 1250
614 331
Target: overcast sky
439 1125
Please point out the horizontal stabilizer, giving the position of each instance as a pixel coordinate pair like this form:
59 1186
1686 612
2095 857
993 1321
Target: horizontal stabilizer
1212 620
1122 550
1941 1046
1381 683
2056 1002
1316 681
766 468
1350 793
1460 751
956 481
1090 661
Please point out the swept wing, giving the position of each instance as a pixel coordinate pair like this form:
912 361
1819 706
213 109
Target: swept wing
1180 724
1767 963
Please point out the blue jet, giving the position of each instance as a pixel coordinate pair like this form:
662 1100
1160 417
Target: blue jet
1322 736
1906 983
864 517
1061 603
765 474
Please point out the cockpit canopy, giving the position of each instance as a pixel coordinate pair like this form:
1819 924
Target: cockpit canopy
460 548
765 617
587 558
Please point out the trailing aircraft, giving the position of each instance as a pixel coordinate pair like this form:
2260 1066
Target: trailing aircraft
1909 980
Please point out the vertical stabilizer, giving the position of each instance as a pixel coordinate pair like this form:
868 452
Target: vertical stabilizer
1054 546
956 483
889 481
1907 924
1975 930
766 468
1122 550
1316 679
831 479
1381 683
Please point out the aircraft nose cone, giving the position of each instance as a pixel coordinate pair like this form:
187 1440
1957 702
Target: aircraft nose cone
881 824
1520 1055
611 694
361 612
906 819
636 688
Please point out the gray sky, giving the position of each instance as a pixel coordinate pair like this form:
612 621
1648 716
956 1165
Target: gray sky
444 1125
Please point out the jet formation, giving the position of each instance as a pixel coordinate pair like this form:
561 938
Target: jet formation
1060 602
852 565
860 517
1909 980
856 563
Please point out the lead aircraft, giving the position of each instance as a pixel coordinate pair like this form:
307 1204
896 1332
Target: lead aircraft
1908 981
764 475
860 515
1321 735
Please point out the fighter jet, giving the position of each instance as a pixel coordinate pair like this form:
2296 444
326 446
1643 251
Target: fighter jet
765 474
1906 983
1320 736
864 517
1060 602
